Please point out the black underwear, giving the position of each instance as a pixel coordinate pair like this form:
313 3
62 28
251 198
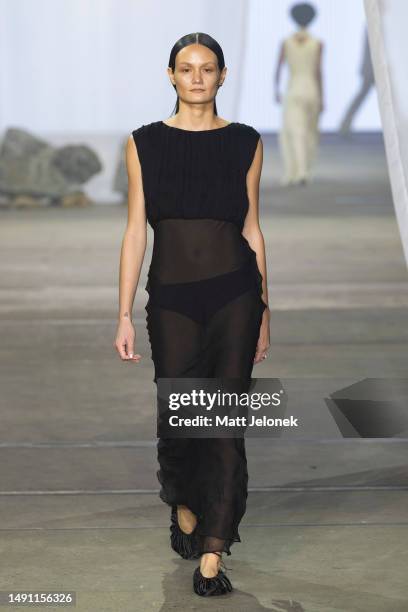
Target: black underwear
200 300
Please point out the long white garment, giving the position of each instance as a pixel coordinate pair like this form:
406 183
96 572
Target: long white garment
299 135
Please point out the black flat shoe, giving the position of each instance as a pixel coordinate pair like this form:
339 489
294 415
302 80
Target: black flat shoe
218 585
184 544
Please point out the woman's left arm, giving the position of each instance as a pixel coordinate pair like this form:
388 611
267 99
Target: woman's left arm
253 234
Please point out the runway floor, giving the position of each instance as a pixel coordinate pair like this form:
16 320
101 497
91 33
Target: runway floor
326 524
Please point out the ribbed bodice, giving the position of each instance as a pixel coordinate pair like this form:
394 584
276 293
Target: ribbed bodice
195 174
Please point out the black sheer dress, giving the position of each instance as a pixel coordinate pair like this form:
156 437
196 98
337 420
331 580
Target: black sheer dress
205 307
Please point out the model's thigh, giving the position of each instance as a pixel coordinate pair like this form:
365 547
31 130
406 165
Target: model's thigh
232 336
175 341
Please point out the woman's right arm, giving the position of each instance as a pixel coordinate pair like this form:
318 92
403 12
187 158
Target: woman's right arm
131 255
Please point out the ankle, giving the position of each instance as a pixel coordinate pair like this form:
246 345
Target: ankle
210 564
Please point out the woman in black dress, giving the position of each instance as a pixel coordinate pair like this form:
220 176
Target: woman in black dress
195 179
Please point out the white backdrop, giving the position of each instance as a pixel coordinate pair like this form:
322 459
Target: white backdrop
72 66
100 65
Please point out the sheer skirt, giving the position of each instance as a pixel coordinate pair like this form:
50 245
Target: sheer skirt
203 318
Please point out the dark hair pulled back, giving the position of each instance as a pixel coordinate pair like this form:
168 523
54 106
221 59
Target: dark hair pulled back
191 39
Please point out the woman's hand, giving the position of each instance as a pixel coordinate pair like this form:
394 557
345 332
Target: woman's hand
125 341
264 338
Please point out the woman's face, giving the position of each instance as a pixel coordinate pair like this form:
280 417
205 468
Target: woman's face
196 74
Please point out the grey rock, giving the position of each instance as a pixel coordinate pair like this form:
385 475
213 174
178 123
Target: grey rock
77 163
30 166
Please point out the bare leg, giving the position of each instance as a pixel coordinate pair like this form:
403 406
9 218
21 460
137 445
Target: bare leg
210 564
346 122
187 520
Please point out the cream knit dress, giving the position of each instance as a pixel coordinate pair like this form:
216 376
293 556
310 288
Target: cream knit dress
299 136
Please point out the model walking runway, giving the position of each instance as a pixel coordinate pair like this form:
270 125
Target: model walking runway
303 99
195 179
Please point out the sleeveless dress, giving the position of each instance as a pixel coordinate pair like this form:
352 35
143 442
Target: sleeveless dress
205 307
299 135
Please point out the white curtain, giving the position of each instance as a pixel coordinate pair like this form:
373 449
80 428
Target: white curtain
387 21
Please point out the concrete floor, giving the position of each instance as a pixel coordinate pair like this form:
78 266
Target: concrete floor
326 525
